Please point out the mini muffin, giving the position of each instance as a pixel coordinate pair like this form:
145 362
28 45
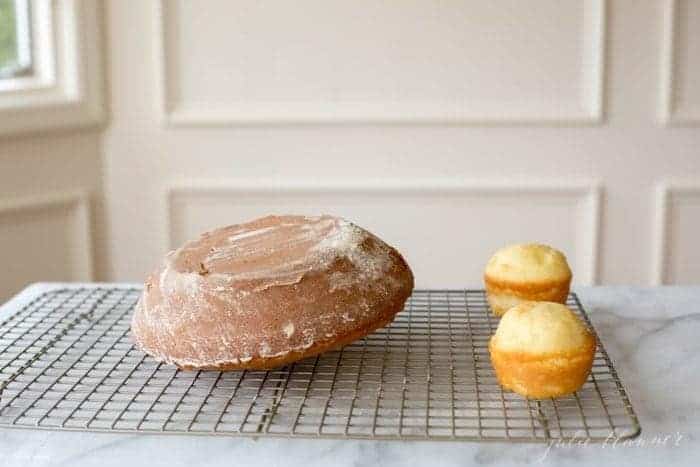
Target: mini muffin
526 272
542 350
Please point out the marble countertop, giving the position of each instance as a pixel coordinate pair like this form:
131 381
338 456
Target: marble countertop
651 334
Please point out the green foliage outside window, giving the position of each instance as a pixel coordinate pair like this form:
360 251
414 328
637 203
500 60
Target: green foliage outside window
8 35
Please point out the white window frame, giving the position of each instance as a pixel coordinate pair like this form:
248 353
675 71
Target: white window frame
64 89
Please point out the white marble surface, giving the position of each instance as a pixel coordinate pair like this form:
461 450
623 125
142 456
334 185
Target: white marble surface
652 335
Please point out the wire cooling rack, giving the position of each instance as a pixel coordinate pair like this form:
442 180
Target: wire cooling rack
67 362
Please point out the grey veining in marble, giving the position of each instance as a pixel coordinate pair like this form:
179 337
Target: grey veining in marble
652 335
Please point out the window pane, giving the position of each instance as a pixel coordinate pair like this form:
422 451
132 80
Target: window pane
15 56
8 34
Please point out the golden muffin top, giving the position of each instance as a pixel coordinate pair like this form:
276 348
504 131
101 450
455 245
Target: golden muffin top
528 262
541 327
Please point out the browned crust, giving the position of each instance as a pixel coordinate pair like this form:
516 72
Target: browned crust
542 291
262 363
526 288
541 376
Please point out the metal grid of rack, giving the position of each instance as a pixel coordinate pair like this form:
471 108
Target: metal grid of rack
67 362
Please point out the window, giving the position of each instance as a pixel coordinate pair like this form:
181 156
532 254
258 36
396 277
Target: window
15 39
50 65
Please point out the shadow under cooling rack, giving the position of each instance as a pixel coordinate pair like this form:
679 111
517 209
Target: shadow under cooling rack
67 362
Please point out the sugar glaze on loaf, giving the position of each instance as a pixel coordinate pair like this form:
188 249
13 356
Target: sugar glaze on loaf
268 292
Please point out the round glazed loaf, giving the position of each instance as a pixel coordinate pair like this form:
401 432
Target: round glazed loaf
269 292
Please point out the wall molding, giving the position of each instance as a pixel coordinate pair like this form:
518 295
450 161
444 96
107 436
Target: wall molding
589 112
669 63
663 198
67 86
78 202
589 190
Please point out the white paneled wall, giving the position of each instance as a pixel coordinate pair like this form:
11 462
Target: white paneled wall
50 185
420 219
449 127
678 214
682 61
53 236
378 61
